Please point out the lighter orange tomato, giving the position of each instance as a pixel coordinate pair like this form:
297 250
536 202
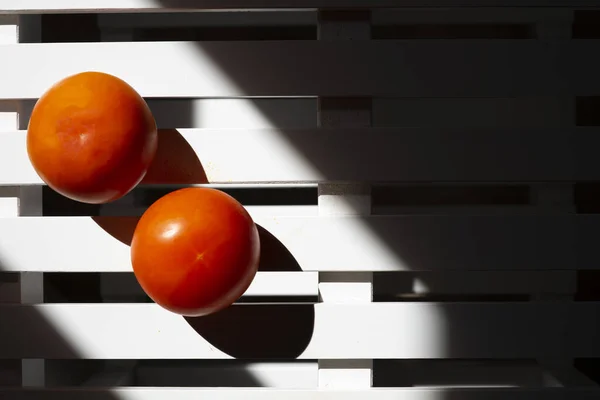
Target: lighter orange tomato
91 137
195 251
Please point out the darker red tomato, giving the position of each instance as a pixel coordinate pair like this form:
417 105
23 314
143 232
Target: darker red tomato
195 251
91 137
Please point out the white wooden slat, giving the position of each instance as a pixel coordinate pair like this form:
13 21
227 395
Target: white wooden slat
386 154
43 6
339 331
330 244
9 118
266 283
277 394
9 201
345 374
346 287
344 199
377 243
9 205
471 68
9 29
284 284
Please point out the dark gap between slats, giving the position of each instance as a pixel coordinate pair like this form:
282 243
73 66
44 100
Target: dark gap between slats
586 24
225 33
63 28
453 31
200 373
57 205
454 297
590 367
587 197
10 373
145 372
586 113
9 277
450 195
588 285
455 372
400 287
344 15
121 287
300 196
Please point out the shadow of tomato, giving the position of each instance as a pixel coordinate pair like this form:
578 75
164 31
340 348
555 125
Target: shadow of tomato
261 331
175 162
266 331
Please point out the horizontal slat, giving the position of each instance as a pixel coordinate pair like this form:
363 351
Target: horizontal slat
190 5
276 394
377 330
470 68
386 154
327 243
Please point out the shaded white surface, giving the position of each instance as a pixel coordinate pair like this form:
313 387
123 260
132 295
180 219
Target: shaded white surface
386 154
334 243
471 68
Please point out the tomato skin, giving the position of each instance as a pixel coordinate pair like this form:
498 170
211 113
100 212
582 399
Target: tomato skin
195 251
91 137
